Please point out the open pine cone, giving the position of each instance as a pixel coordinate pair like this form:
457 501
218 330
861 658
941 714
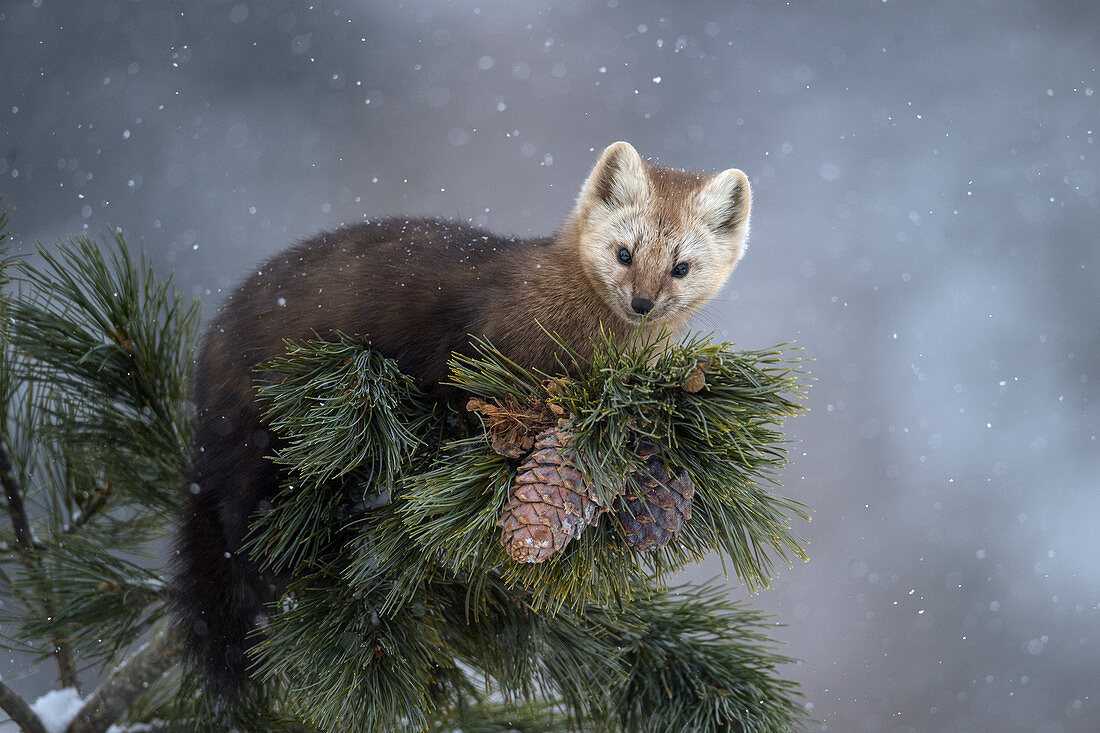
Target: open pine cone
512 425
550 504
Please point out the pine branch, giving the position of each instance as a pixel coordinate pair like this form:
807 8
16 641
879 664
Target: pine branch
96 352
127 683
699 662
26 546
351 423
113 343
376 672
340 405
19 711
710 409
425 565
29 550
13 492
476 714
101 602
5 219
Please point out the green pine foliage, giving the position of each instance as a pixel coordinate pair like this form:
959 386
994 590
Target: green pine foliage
700 662
404 612
95 432
411 591
350 420
726 436
378 671
114 343
340 406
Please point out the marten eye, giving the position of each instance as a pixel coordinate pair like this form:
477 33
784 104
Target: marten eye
680 270
624 256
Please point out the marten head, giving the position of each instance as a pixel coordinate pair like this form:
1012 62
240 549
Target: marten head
658 242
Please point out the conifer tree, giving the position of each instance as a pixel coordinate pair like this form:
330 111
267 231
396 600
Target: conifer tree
504 565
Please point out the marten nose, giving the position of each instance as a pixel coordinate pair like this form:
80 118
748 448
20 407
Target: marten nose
641 305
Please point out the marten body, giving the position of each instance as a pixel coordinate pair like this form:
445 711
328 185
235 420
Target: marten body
642 240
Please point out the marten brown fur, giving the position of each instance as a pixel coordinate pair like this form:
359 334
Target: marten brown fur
642 240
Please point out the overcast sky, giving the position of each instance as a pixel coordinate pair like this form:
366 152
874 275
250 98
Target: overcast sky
926 207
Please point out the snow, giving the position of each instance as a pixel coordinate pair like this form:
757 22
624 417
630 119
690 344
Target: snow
57 708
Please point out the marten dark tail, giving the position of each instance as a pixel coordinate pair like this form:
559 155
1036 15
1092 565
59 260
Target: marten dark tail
215 600
219 594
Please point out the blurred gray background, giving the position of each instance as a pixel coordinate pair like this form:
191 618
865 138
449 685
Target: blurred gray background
925 222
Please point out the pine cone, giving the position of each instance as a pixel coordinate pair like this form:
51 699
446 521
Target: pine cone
550 504
696 378
513 426
654 505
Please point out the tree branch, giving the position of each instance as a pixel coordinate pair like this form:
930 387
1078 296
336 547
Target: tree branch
19 711
127 683
24 538
66 669
28 548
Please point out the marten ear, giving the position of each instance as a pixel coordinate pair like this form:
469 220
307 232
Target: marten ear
723 205
619 179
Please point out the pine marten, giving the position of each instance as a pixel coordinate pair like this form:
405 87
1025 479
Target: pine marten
642 240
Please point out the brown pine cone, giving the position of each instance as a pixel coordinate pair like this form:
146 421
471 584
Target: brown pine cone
549 505
512 425
696 378
654 505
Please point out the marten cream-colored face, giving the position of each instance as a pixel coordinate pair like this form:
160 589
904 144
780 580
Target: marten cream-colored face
659 243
